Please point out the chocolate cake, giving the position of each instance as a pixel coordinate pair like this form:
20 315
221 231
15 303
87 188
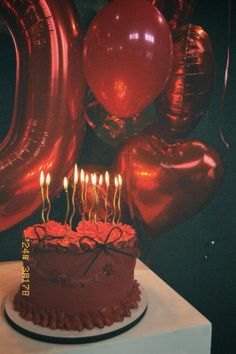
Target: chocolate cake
79 279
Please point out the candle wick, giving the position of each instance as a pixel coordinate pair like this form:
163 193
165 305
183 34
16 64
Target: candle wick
106 206
67 210
119 208
73 205
43 204
85 201
114 205
49 203
93 203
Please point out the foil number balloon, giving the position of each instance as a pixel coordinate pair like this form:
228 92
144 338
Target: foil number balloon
47 128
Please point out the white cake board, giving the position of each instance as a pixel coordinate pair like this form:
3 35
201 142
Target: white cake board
46 334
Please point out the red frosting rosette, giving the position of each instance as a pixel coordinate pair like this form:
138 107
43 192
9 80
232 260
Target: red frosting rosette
118 233
51 228
54 233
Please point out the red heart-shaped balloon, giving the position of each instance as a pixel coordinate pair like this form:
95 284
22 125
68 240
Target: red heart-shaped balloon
168 183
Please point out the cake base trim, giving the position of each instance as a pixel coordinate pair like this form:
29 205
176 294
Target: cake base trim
54 320
46 334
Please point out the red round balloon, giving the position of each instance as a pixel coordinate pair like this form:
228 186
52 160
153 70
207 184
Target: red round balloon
166 184
47 127
127 56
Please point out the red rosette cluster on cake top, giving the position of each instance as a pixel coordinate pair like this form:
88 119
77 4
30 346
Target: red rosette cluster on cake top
51 232
55 233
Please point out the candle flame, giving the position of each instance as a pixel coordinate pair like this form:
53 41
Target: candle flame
41 179
82 176
76 175
65 183
48 179
116 182
100 180
120 180
94 179
107 178
86 178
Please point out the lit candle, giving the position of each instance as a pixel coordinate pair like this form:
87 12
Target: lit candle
114 199
48 181
75 181
95 196
100 182
82 192
107 182
65 183
85 194
119 197
94 184
41 181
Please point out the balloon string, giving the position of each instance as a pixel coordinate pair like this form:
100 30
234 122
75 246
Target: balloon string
223 139
226 75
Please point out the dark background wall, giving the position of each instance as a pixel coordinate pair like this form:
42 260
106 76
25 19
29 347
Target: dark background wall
198 257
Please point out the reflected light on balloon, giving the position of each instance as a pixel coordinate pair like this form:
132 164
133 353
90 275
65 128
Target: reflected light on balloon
187 93
127 55
47 127
166 184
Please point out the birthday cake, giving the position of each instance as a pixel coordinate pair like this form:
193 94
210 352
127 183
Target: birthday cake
81 279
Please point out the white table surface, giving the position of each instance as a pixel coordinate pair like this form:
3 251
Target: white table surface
170 326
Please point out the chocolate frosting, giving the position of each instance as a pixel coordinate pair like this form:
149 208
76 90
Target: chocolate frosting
82 279
105 316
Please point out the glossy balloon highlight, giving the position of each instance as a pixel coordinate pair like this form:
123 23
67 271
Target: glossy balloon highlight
166 184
